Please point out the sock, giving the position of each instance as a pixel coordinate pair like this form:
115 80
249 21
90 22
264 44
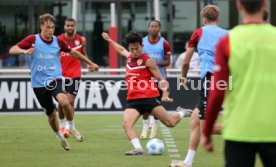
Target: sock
71 125
136 143
181 114
67 125
60 136
62 123
155 124
145 123
190 157
151 119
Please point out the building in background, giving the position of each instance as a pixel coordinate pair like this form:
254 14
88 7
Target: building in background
179 18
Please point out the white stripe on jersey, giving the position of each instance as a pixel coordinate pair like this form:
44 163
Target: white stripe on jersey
134 68
77 47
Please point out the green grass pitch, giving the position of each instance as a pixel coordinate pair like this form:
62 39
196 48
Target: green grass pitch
28 141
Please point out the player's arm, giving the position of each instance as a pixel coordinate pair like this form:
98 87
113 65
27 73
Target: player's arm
23 47
189 53
165 62
84 47
163 84
186 64
65 48
15 50
92 66
120 49
167 55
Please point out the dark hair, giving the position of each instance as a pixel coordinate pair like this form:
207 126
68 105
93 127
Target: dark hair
46 18
156 22
71 20
252 6
210 12
265 15
134 37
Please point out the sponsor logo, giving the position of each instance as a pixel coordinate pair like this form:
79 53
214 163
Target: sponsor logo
139 62
77 42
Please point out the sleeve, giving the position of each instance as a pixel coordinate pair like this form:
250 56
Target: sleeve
195 38
27 42
216 95
146 57
63 46
167 48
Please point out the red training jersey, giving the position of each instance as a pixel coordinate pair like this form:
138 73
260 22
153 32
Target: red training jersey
140 80
71 67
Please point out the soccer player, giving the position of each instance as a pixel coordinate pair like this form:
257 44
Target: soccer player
142 90
159 51
205 39
71 70
247 54
46 76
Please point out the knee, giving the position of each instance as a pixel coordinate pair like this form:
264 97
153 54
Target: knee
64 102
194 121
169 124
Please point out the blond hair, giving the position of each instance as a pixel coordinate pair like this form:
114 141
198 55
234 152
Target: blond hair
46 18
210 12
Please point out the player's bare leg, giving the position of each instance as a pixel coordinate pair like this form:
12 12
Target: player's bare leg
53 122
62 119
129 119
145 129
69 113
154 127
195 125
167 119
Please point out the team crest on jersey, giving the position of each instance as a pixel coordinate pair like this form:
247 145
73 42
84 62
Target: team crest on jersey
139 62
77 42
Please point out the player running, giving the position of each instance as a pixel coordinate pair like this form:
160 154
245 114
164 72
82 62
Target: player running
46 75
71 70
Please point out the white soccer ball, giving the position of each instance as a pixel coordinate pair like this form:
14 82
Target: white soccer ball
155 147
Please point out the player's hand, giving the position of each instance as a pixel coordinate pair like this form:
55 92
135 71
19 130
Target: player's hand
165 97
183 81
29 51
105 36
93 67
207 143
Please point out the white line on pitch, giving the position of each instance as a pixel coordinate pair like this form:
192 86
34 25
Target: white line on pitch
171 145
169 142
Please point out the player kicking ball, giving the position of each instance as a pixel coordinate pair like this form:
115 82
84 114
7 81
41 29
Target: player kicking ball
142 90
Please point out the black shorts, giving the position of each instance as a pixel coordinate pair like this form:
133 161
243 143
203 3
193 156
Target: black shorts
72 85
202 102
243 154
44 95
143 105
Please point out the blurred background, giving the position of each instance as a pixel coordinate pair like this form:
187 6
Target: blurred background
179 18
